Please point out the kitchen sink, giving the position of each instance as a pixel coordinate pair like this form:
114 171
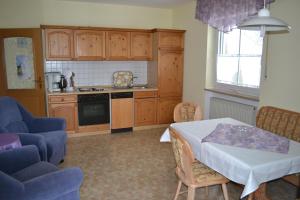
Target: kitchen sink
139 87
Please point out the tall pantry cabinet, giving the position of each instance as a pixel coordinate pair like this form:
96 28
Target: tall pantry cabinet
168 54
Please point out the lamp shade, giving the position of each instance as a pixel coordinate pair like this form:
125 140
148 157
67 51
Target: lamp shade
270 24
264 22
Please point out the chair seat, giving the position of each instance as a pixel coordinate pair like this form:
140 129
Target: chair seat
55 140
205 175
35 170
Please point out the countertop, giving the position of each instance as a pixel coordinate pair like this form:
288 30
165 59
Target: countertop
107 89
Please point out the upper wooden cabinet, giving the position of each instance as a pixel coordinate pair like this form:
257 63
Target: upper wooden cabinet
117 45
170 73
171 40
141 45
89 45
59 44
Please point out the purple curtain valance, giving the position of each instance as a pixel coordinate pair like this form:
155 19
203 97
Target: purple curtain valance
225 15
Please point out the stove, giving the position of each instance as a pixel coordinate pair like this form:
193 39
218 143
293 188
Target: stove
93 89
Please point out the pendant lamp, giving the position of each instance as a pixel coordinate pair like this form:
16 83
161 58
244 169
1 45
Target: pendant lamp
264 22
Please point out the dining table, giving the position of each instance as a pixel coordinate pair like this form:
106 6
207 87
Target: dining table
250 167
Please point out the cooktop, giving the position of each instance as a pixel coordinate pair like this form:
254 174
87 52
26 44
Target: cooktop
92 89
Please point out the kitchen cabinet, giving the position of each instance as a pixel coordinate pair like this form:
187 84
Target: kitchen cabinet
117 45
89 45
141 46
170 73
165 109
64 106
122 115
145 108
59 44
170 39
167 71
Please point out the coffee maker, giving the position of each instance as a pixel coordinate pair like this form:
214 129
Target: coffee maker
52 80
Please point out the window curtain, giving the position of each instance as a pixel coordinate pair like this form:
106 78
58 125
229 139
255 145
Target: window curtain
225 15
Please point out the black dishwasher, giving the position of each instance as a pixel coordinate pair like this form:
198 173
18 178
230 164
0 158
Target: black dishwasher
122 113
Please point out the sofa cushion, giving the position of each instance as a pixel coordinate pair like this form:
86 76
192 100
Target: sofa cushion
34 170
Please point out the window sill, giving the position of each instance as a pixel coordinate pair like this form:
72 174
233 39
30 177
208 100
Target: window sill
233 94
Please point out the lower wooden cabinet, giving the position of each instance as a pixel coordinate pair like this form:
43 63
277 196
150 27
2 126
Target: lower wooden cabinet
122 113
64 107
145 111
165 109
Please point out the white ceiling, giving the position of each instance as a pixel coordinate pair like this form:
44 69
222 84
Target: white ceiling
148 3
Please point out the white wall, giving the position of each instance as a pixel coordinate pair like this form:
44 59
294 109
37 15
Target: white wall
282 87
194 52
32 13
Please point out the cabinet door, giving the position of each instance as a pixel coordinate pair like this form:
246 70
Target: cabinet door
117 45
170 73
59 44
89 45
68 111
141 46
166 108
122 113
171 40
145 111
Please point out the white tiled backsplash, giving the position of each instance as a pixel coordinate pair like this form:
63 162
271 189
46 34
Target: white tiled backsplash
91 73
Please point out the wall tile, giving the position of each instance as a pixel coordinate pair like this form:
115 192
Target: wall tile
92 73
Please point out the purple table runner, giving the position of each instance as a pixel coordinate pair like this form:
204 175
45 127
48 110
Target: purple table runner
9 141
248 137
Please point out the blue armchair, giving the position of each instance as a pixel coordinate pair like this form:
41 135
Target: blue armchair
24 177
48 134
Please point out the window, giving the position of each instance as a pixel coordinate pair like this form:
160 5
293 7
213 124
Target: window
239 58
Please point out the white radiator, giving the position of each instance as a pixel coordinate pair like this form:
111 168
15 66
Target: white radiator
220 108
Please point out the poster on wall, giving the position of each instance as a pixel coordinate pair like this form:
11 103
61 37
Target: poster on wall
19 65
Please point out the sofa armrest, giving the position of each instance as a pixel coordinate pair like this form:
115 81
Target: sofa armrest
14 160
10 188
38 125
55 184
37 140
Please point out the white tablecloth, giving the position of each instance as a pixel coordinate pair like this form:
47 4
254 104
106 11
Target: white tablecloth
245 166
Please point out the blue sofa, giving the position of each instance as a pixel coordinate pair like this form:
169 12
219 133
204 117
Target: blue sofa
48 134
24 177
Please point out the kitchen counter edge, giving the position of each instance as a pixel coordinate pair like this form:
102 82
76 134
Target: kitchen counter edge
112 90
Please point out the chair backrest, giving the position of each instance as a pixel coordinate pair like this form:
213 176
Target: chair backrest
187 111
282 122
11 119
184 157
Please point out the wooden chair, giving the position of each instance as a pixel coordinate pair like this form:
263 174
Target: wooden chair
187 111
193 174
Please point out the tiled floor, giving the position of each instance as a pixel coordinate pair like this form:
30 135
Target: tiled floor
136 166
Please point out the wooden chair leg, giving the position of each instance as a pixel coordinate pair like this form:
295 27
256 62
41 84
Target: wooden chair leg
225 192
250 197
191 193
178 189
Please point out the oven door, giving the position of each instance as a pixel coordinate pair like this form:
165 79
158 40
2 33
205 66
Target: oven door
92 113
